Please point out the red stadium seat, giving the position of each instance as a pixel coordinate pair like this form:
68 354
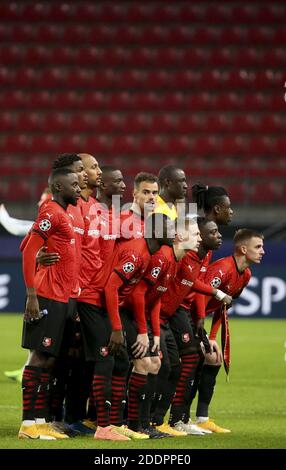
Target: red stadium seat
265 193
40 100
178 145
163 123
20 189
45 143
30 122
136 123
21 33
35 55
8 121
205 146
238 192
11 54
83 122
56 122
48 33
17 143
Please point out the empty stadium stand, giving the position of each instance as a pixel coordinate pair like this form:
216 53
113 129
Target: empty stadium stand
142 85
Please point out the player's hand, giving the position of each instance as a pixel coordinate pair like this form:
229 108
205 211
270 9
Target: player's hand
140 347
227 300
117 342
156 344
46 259
216 349
32 310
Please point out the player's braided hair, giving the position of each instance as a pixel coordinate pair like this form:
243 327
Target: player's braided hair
207 197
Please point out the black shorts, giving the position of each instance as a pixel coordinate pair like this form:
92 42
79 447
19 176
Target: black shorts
183 330
46 335
130 330
168 346
96 330
72 336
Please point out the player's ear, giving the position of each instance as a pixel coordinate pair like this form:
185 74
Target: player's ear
180 236
243 249
216 208
58 186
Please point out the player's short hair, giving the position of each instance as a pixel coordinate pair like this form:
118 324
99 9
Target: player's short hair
108 169
244 234
64 160
144 177
166 173
56 175
202 221
207 197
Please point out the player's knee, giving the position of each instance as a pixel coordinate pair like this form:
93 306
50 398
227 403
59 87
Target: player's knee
155 365
142 366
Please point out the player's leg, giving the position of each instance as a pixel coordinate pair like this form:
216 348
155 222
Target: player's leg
43 338
206 388
189 350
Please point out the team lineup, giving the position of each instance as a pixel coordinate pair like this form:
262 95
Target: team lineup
116 301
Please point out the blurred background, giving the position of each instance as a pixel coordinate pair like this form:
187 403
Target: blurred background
140 85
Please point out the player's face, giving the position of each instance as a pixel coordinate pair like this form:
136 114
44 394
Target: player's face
78 168
254 250
146 196
92 170
195 238
113 184
178 185
70 189
211 238
225 212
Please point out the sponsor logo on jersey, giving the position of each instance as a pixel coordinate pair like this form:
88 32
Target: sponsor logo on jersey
45 225
185 282
162 288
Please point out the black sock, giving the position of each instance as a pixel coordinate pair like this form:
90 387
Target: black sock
145 408
165 391
30 385
206 389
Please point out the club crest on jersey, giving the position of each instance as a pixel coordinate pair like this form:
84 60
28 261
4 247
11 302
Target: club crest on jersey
155 272
216 282
185 337
45 225
104 351
47 342
128 267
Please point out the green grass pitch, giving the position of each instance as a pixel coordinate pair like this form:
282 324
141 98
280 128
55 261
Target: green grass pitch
252 404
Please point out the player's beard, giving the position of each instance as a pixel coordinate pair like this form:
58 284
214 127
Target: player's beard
71 200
